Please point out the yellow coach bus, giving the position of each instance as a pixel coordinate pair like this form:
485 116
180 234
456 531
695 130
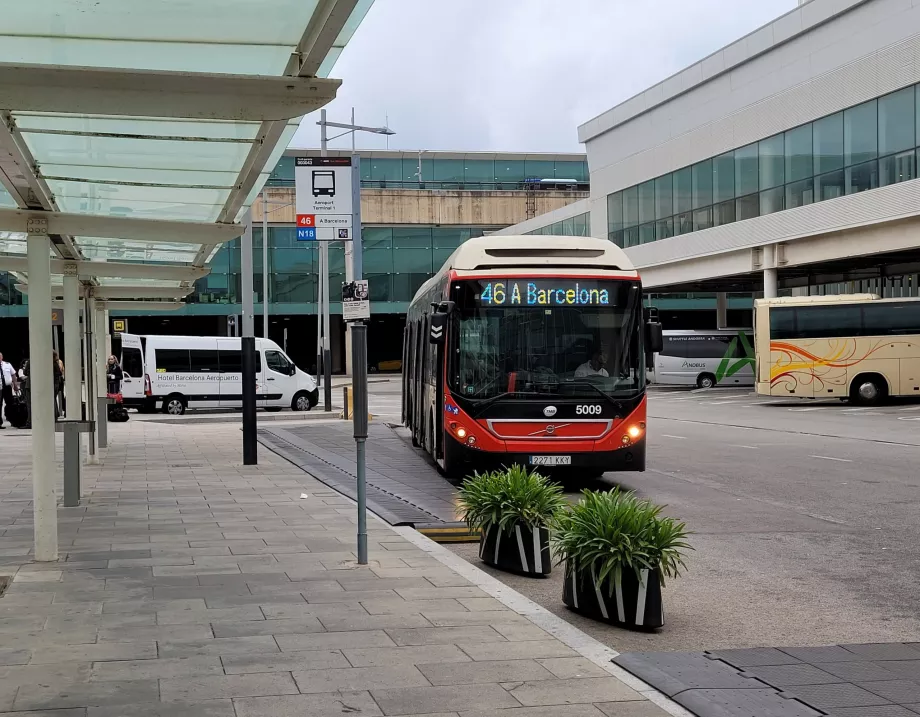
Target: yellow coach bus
854 346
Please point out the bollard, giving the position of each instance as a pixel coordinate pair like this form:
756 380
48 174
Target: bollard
345 403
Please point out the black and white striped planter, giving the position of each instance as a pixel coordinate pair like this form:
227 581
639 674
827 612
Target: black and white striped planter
632 602
523 550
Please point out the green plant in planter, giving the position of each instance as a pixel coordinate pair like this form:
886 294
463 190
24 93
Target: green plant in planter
509 496
512 507
608 532
618 550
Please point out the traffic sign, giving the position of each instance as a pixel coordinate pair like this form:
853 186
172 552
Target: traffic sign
306 220
306 234
356 305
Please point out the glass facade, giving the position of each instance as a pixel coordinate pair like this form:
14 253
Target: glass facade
577 226
871 145
439 173
396 262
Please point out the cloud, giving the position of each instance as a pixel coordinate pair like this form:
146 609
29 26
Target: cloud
517 75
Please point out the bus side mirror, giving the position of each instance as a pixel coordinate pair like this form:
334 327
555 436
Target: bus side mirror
437 328
654 341
438 322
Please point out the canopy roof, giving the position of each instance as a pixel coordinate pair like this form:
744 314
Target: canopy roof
169 110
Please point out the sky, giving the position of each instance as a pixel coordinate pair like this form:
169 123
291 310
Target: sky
517 75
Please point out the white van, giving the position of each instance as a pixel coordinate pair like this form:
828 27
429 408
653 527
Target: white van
705 358
178 372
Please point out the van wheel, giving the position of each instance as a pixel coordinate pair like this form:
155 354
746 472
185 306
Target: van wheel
301 402
174 405
868 389
705 380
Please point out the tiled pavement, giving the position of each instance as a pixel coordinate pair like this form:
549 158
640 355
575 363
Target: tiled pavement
192 585
881 680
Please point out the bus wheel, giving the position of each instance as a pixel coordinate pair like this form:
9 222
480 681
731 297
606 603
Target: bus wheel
705 380
174 405
868 389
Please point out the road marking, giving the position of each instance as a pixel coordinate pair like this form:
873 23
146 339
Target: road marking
909 418
854 410
829 458
721 403
741 445
812 408
910 408
667 435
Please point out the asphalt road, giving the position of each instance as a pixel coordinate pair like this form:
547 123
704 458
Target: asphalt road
804 516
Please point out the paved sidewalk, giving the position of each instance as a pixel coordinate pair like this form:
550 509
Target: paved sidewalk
192 585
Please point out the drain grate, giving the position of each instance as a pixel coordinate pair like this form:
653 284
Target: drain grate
4 583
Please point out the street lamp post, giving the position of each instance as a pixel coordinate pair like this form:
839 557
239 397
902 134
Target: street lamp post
323 352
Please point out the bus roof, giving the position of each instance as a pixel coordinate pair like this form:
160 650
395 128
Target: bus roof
829 299
505 252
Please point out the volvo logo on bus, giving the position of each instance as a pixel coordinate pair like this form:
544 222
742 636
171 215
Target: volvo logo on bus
549 411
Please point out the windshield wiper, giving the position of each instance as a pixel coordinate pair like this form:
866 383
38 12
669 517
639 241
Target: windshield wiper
480 407
607 397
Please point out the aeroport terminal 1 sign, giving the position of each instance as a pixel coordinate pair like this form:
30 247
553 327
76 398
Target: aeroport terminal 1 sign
323 198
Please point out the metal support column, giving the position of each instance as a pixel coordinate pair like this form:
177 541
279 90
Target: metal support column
327 357
319 316
102 358
721 310
359 421
73 366
89 373
250 453
264 266
44 473
770 284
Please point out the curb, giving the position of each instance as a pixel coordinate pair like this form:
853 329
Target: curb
568 634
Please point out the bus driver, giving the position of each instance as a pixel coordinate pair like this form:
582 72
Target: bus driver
592 367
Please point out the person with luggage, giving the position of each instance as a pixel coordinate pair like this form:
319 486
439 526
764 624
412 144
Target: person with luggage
25 392
57 369
10 386
114 374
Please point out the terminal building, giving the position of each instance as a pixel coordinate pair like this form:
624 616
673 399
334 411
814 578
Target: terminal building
416 208
784 163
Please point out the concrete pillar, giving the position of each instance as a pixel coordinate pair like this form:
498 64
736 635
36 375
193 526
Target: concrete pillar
89 375
101 330
770 284
721 310
44 473
73 366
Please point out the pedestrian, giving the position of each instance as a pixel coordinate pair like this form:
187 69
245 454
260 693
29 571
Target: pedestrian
57 378
58 384
9 386
25 391
113 374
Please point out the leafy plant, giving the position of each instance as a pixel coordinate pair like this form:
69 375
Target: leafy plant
607 532
508 496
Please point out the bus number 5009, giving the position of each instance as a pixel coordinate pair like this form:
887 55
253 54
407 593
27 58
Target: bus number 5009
588 410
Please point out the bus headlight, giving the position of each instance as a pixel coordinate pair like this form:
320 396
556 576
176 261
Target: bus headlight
461 432
634 432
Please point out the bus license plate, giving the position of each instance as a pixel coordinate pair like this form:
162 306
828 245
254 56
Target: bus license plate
551 460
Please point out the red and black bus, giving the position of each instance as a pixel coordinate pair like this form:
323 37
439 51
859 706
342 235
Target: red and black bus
530 350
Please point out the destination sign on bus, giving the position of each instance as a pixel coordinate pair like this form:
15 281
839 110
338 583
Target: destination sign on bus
543 292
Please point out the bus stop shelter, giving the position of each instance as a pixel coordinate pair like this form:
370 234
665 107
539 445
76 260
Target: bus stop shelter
134 136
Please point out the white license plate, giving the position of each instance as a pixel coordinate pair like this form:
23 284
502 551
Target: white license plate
551 460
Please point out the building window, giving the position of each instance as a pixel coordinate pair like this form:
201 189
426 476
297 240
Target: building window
771 201
664 229
702 184
747 207
746 173
798 194
828 143
799 161
829 186
631 237
615 212
664 204
897 168
896 122
647 233
647 202
772 162
860 133
630 207
723 177
723 213
683 191
862 177
702 219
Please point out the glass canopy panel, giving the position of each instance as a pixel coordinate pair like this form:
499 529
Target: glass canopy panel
195 36
115 281
6 201
12 243
146 202
118 250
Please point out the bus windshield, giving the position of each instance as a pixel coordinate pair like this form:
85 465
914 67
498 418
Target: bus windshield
529 338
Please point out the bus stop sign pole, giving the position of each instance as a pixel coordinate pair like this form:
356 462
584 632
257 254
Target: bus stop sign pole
359 421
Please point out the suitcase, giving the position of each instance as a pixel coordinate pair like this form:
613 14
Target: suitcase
17 412
117 413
